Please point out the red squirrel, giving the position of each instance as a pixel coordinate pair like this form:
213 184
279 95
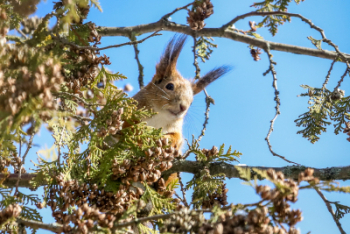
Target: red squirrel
170 95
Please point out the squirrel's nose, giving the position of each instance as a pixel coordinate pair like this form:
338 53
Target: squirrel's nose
182 108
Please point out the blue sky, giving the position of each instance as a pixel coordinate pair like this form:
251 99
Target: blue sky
244 98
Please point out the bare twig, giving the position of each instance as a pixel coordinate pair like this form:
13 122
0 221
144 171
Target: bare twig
81 118
59 144
30 144
329 73
329 207
22 33
182 190
195 56
277 100
165 17
72 95
63 41
139 65
208 100
347 71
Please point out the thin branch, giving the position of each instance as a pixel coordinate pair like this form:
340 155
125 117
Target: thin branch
165 17
59 144
139 65
329 207
62 94
63 41
329 73
22 33
277 100
309 22
195 56
182 190
347 70
30 144
208 101
81 118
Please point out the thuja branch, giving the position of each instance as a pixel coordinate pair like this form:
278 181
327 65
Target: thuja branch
193 167
217 32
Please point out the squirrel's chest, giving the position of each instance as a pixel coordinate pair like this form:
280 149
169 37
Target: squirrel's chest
164 121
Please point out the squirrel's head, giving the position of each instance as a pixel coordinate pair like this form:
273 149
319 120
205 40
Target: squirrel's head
169 91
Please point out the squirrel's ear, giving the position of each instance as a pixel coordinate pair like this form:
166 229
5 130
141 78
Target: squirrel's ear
200 84
167 63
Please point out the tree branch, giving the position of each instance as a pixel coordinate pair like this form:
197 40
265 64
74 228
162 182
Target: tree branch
193 167
329 74
329 207
63 41
54 227
139 65
217 32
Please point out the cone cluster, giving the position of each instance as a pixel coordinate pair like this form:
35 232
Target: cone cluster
201 10
11 211
87 62
147 169
184 221
114 123
256 54
106 208
215 198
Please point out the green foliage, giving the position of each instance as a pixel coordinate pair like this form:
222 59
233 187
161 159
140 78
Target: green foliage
144 229
341 210
273 21
203 185
213 155
30 213
315 42
322 107
159 203
340 113
204 47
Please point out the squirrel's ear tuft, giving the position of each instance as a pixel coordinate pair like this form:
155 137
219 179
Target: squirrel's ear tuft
200 84
167 63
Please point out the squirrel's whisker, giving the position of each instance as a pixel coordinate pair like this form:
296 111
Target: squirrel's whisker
160 89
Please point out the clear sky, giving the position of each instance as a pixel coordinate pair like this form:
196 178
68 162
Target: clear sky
244 98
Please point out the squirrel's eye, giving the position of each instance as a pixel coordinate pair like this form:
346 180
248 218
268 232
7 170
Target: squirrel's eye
170 86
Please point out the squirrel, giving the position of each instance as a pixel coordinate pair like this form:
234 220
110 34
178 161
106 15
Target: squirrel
170 95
